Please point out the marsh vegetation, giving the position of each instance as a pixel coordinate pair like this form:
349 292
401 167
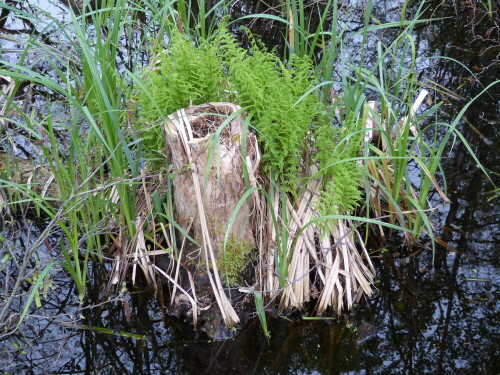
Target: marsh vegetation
172 145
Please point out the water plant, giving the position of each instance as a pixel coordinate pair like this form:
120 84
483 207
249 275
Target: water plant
84 139
335 166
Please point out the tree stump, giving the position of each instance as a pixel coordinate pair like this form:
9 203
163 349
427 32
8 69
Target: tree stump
209 184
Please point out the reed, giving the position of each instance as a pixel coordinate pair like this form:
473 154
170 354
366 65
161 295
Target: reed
346 148
391 80
96 165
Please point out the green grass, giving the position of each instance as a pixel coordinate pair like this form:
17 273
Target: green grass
309 111
100 156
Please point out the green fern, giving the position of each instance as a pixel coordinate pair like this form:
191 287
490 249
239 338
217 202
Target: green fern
220 70
185 75
273 95
270 91
335 146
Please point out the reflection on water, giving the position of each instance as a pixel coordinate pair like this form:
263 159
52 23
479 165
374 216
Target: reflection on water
425 319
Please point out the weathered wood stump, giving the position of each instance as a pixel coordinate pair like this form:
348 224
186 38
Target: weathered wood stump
222 183
210 153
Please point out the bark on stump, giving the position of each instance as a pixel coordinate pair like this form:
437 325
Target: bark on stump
206 197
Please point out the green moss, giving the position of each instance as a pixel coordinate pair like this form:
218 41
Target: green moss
234 260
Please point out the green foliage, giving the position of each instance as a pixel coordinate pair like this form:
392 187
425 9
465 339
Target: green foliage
185 75
259 307
274 94
271 92
101 157
337 149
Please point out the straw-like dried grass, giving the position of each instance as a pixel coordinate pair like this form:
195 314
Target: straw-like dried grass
325 260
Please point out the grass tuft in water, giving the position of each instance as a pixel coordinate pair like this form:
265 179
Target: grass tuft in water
346 149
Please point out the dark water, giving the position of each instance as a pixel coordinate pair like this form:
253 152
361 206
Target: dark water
439 318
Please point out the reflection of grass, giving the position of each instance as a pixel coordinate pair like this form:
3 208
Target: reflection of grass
494 194
108 331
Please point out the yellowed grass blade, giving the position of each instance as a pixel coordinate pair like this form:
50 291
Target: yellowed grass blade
178 263
418 102
272 282
6 89
291 29
328 290
115 271
370 124
365 251
166 235
191 299
344 239
347 275
259 207
298 291
140 256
